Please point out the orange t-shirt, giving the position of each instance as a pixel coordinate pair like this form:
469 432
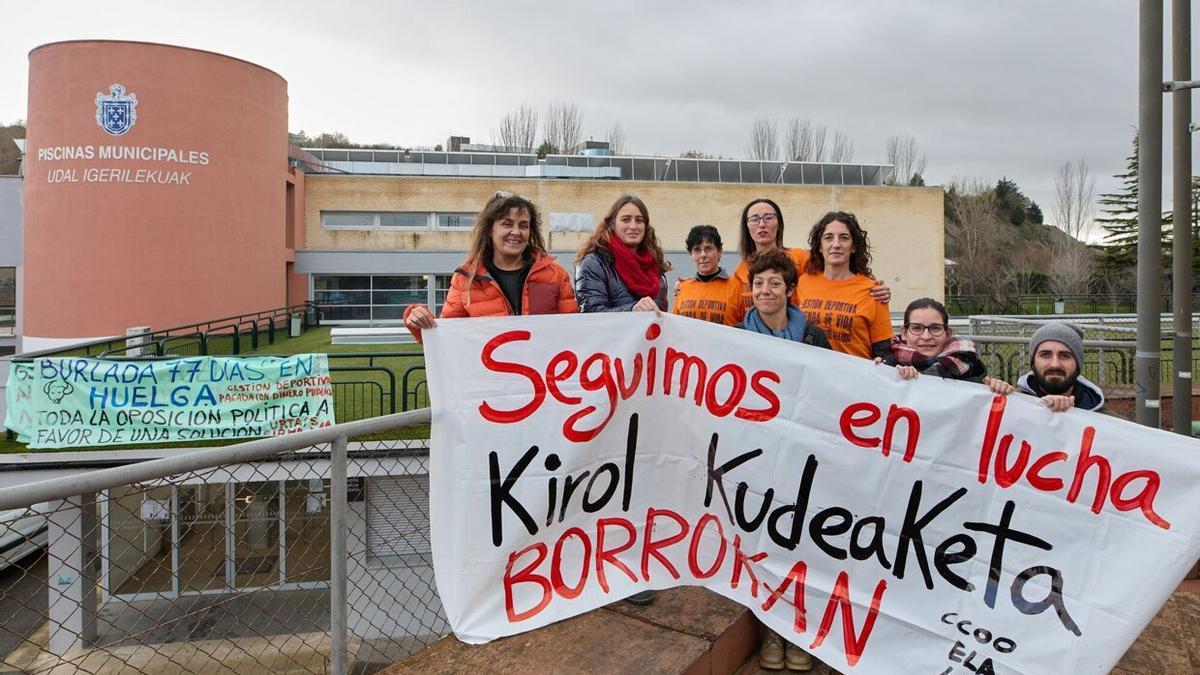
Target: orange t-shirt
739 301
845 310
704 300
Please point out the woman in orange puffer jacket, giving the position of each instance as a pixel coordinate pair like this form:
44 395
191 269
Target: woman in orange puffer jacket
507 271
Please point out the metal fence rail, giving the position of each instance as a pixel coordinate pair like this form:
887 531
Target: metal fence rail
300 553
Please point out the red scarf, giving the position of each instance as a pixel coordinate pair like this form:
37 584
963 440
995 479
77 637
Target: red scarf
638 271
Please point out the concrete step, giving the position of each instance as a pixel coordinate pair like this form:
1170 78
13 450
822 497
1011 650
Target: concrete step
687 630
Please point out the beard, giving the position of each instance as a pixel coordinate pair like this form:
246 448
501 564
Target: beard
1055 381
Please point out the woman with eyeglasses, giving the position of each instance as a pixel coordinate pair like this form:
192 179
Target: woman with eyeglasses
621 267
507 271
927 345
762 230
835 291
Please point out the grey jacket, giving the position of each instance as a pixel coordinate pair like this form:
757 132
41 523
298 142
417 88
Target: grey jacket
599 289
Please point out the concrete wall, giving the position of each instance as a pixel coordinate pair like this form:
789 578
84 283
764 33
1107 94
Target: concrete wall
905 224
12 231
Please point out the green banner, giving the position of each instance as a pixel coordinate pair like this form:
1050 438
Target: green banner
74 402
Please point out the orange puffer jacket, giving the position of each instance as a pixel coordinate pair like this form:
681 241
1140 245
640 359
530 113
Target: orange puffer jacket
547 290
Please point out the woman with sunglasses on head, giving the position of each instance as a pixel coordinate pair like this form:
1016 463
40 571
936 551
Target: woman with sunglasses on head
835 291
762 230
621 267
507 271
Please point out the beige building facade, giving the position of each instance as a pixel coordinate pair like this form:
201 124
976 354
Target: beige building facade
408 233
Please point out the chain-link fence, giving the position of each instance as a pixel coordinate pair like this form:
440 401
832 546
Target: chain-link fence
302 553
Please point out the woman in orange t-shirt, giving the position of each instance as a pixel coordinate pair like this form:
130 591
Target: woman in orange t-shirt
835 292
762 230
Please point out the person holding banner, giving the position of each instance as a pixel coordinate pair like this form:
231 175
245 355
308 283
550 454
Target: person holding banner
761 231
927 345
621 267
704 296
773 278
1055 364
507 271
772 282
836 289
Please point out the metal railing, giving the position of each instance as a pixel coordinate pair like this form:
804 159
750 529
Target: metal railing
307 552
226 336
1047 303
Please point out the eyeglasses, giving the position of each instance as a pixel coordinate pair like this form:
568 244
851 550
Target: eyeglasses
767 218
504 194
935 329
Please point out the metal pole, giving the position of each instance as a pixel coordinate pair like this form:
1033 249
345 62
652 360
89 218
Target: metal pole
1149 252
337 558
1181 120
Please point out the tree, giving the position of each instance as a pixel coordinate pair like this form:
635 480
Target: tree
562 129
9 162
843 148
904 154
616 139
974 235
518 130
1119 217
1074 191
764 140
1071 270
805 141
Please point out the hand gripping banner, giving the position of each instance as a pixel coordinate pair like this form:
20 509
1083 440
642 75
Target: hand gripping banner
885 525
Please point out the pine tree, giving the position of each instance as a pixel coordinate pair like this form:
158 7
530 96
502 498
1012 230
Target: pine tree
1120 217
1168 220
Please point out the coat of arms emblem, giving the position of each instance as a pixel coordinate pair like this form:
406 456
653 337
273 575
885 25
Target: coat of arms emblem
116 113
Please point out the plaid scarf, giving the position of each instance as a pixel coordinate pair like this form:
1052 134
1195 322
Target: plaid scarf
957 359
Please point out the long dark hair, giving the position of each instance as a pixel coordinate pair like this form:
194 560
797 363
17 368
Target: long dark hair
482 249
601 237
860 258
746 244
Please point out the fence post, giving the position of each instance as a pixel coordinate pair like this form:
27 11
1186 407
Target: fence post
337 558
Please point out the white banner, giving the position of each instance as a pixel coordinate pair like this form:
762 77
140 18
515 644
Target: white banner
886 526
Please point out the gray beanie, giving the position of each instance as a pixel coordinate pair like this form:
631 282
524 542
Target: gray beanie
1067 333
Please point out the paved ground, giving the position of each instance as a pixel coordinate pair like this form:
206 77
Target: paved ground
1170 645
22 602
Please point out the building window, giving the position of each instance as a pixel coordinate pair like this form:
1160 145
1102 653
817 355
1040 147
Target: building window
377 297
396 220
455 221
8 301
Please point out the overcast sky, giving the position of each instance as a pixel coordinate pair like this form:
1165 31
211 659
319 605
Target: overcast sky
988 89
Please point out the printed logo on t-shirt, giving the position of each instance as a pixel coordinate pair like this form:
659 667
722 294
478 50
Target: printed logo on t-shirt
835 317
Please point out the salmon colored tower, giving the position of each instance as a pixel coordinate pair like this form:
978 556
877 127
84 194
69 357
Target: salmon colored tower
155 184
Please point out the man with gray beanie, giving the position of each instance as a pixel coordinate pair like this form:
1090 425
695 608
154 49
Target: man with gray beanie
1056 359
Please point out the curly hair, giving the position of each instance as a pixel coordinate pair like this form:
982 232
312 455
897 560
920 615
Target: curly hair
601 237
775 261
482 249
860 257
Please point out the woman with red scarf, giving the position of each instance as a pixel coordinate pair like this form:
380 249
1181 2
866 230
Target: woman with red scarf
621 267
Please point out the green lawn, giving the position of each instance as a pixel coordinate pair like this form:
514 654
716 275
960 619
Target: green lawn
362 387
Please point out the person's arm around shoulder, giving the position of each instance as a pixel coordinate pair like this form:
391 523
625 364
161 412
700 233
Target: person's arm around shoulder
881 292
881 331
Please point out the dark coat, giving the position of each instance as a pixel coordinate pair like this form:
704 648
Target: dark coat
599 289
